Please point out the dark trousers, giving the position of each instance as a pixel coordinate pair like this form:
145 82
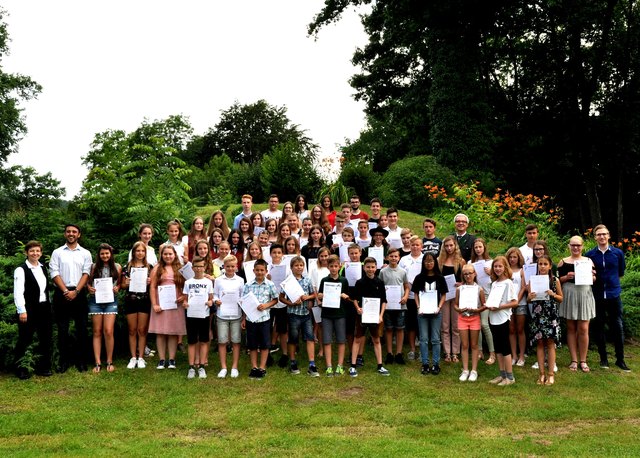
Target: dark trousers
610 308
65 311
40 321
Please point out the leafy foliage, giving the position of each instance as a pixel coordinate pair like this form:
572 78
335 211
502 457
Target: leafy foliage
360 178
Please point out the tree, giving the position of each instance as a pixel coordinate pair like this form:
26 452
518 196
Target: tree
247 132
13 89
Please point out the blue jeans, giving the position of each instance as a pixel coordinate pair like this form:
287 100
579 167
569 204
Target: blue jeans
429 329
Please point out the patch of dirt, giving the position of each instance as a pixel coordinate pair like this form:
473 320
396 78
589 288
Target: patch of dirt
351 391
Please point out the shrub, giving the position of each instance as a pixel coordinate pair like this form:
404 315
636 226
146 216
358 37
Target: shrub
359 178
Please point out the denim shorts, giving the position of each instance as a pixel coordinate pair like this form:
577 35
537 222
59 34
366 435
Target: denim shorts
298 324
110 308
228 328
393 319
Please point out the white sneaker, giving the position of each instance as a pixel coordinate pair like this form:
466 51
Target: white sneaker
535 366
202 373
191 373
411 356
555 368
234 373
133 362
473 376
222 373
141 363
520 363
464 376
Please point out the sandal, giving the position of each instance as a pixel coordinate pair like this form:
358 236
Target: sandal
97 368
491 360
550 380
110 367
584 367
541 379
454 359
574 366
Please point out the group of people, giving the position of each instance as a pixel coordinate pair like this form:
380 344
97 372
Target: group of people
326 275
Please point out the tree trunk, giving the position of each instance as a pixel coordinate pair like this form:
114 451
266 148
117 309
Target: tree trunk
594 202
620 221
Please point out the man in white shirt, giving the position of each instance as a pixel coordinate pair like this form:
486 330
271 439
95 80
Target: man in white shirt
531 233
69 269
247 202
272 212
394 238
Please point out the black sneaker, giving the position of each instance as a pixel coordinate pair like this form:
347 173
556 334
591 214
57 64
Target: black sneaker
425 369
388 359
435 369
622 366
254 373
294 368
399 359
283 361
313 371
604 364
359 361
262 373
274 348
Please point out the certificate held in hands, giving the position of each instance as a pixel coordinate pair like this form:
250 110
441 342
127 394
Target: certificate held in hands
167 297
584 273
138 280
495 296
104 290
468 297
540 285
428 302
394 294
370 310
331 295
198 304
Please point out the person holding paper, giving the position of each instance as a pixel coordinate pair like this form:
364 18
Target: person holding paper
246 230
545 322
363 239
368 287
317 271
227 291
517 336
469 303
278 271
502 298
578 305
395 279
259 331
137 303
316 241
167 321
198 299
299 299
103 305
412 264
482 262
334 318
610 267
353 271
175 233
145 234
430 291
451 262
197 232
393 236
378 248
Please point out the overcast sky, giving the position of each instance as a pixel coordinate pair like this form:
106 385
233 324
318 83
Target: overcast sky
109 65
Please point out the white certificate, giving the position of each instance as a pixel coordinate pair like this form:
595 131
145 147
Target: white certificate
138 280
331 295
468 297
363 243
495 296
266 254
292 288
377 253
373 224
249 304
167 297
304 242
278 274
395 242
428 302
104 290
248 270
336 239
529 270
313 264
370 310
540 285
353 272
187 271
481 276
198 304
394 294
317 314
451 284
344 253
229 303
584 273
258 230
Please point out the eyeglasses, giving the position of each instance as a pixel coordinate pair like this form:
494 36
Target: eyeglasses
468 273
602 234
538 249
460 221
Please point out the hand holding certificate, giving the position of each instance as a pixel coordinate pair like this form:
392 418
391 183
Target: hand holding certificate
468 297
584 272
394 294
451 285
539 285
353 272
377 253
370 310
229 303
167 297
331 295
138 280
198 304
292 288
187 271
495 296
428 302
104 290
249 304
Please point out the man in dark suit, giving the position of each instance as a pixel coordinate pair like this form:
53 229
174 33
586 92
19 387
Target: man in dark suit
465 240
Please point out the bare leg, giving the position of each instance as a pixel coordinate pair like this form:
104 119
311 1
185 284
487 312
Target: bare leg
513 338
132 325
388 334
172 344
222 352
327 353
520 320
204 350
253 356
377 349
474 335
236 355
583 339
191 351
572 339
464 338
264 355
108 325
97 336
399 340
161 342
143 328
340 354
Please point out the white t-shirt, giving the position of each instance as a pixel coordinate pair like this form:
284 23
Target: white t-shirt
501 316
527 253
268 214
224 284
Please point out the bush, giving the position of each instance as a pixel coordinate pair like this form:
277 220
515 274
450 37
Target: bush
359 178
403 185
631 302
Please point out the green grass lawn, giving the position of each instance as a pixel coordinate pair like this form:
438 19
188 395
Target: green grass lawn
150 412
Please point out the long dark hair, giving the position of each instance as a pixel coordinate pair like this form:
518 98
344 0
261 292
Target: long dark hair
436 267
99 264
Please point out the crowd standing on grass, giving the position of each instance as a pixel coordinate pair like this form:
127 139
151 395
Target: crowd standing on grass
328 276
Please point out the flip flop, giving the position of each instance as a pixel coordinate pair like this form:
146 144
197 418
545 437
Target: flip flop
584 367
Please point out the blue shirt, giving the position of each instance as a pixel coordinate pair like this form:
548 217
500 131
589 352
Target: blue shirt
610 267
264 292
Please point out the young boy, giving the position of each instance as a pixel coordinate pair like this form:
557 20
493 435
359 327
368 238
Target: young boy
405 236
278 271
228 289
354 258
374 219
393 239
394 275
299 314
345 209
333 319
363 239
369 286
412 265
259 332
430 243
198 290
343 248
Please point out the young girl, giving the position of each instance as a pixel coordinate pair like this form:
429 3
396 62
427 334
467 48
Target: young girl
224 250
378 239
363 239
246 230
291 246
545 323
103 314
258 223
383 222
316 275
516 324
218 221
137 306
145 234
294 224
319 217
316 241
469 323
499 315
451 262
284 231
480 253
304 232
215 239
167 324
211 270
175 232
287 209
271 228
237 245
327 210
302 209
428 286
196 233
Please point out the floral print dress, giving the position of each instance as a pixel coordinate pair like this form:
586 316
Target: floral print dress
545 322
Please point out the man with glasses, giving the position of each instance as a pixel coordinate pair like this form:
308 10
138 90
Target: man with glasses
464 239
610 266
272 212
